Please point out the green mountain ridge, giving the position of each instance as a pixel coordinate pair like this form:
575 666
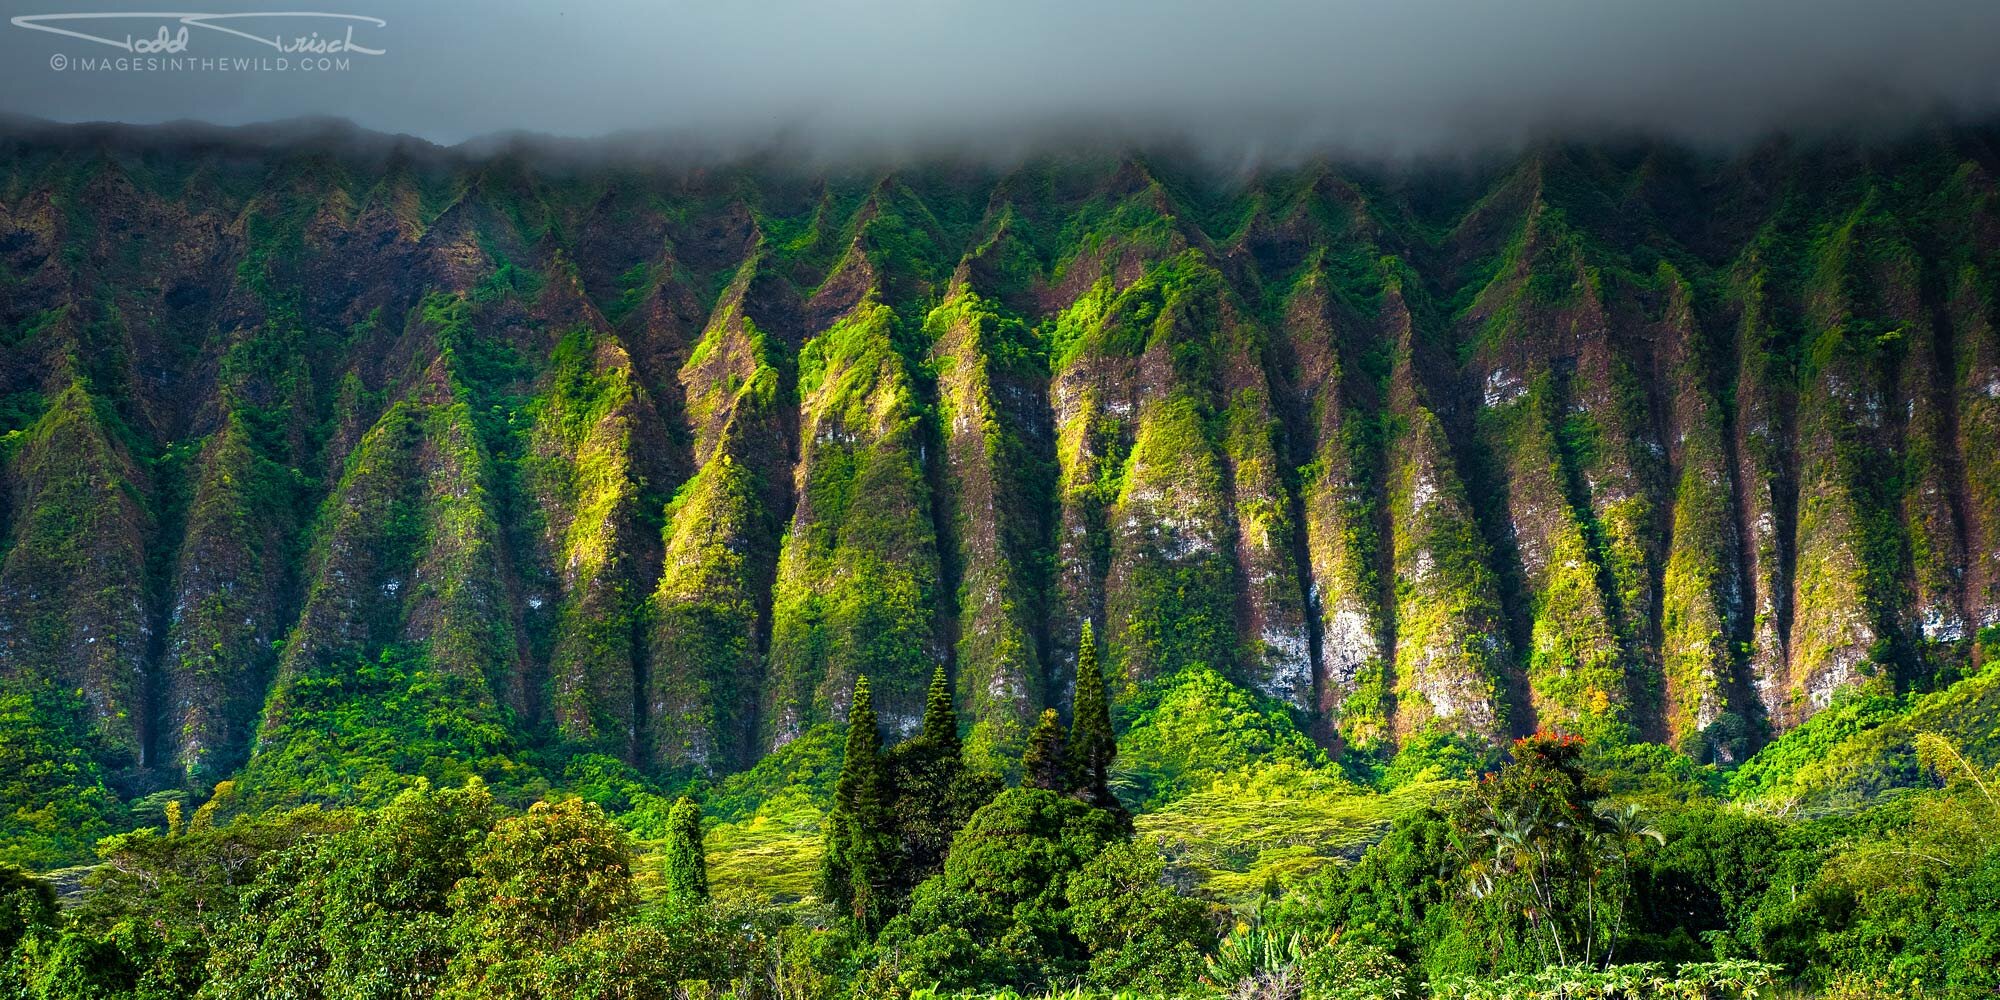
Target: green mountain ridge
328 467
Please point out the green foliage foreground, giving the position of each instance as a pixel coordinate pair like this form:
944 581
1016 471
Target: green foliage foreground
1534 883
1255 867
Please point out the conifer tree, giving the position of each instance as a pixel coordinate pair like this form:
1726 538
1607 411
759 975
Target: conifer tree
687 863
1091 743
940 715
859 862
835 884
935 793
1042 765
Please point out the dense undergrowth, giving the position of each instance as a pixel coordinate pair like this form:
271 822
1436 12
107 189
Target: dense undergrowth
1573 870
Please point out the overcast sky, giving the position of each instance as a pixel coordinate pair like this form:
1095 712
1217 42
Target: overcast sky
1243 77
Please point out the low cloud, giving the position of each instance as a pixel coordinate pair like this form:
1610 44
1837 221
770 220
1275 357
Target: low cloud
1241 79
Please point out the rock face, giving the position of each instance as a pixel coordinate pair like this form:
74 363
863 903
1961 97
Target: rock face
711 609
428 460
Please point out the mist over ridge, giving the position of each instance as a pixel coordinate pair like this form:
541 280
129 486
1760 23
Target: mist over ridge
1262 82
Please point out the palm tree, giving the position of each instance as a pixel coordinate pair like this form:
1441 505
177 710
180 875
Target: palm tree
1621 831
1519 846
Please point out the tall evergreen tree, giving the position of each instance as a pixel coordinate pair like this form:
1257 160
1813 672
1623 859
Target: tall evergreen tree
940 715
1091 743
687 862
835 884
857 869
1042 765
935 793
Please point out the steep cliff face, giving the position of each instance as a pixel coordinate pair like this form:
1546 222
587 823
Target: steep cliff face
711 611
998 479
74 588
326 465
1339 446
1452 653
1703 597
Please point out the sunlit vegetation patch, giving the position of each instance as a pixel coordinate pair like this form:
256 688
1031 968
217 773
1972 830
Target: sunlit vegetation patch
1866 745
767 838
1185 731
1251 831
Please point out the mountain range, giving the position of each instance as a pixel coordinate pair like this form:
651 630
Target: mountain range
343 458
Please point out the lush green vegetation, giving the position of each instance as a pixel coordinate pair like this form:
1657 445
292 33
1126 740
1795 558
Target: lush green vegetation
1563 874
